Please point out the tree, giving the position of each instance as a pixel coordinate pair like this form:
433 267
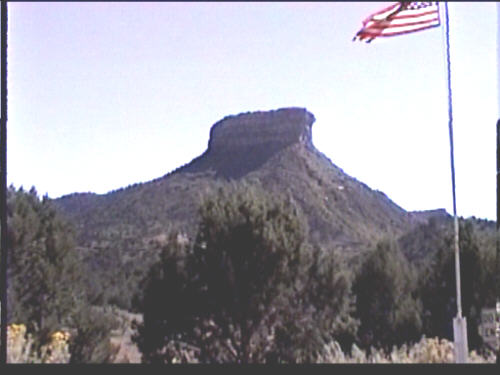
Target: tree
248 289
224 295
386 301
320 311
91 343
438 289
45 275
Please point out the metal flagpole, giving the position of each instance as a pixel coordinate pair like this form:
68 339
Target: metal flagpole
497 263
497 268
459 323
3 186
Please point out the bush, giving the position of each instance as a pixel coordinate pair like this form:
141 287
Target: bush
92 338
427 350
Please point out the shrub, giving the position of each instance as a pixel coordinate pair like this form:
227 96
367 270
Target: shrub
427 350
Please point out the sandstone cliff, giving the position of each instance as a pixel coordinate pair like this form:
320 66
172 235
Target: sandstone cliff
251 139
275 129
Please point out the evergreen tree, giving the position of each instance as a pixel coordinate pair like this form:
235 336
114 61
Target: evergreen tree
320 311
45 276
386 301
439 285
228 294
240 292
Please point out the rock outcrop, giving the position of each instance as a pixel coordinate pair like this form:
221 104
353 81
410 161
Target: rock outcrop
274 129
252 138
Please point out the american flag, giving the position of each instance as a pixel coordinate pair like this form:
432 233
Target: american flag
399 18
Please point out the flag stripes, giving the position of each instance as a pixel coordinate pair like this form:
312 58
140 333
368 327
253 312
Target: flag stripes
399 18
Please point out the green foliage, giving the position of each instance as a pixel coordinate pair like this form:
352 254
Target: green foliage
320 311
422 242
386 303
227 295
93 333
247 290
45 275
438 291
115 229
167 304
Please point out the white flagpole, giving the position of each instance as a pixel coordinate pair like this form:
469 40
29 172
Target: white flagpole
459 323
3 186
497 269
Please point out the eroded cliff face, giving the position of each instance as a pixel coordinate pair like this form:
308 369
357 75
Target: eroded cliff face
276 129
252 138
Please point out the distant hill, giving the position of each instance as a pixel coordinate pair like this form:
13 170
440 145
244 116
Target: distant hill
274 149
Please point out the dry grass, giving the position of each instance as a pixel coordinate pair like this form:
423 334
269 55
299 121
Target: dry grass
427 350
121 339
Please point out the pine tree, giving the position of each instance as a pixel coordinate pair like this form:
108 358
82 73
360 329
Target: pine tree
438 289
249 288
386 301
45 276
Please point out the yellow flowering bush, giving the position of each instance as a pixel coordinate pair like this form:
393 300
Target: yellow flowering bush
20 347
57 350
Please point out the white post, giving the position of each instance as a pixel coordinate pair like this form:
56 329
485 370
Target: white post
460 338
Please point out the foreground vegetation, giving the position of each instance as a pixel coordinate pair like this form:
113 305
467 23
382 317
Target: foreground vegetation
250 287
20 350
47 282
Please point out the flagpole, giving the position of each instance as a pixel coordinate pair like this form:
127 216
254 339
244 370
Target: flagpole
459 323
3 186
450 126
497 265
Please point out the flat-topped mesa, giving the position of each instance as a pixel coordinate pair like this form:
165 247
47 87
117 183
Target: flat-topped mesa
242 143
253 131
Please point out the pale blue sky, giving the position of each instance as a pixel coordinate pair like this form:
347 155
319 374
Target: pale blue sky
104 95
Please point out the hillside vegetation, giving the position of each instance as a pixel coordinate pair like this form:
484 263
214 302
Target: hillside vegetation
124 229
259 250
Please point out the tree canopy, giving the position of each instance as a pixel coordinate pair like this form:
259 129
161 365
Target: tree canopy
236 294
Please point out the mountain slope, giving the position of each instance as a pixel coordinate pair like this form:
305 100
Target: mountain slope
271 148
274 149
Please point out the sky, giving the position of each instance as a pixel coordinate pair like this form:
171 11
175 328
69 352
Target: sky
105 95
